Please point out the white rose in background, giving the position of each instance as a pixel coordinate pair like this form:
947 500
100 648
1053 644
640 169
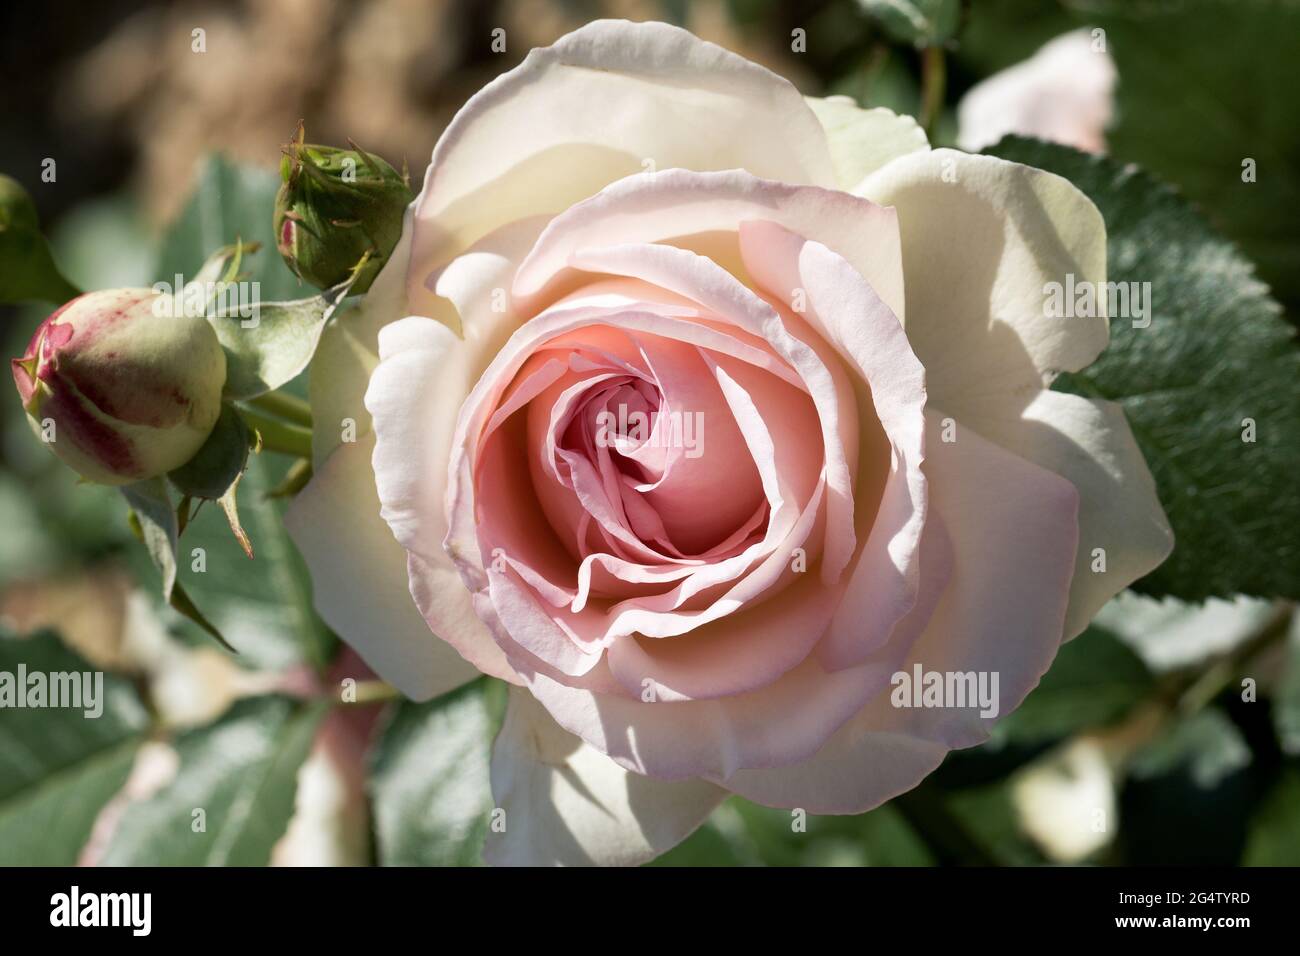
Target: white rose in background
634 216
1064 93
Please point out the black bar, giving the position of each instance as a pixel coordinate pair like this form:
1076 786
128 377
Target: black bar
439 907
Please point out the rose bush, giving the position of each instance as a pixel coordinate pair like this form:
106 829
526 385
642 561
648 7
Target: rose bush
635 220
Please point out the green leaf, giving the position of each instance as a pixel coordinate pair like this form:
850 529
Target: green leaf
242 773
154 520
216 467
58 766
273 346
880 837
267 344
106 243
1204 86
1000 33
921 22
1215 354
27 269
213 473
1274 838
155 516
263 606
1094 681
429 781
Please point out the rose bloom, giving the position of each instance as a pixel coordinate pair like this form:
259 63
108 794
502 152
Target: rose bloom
634 220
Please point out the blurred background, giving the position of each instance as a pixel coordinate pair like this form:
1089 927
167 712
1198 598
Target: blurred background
1137 749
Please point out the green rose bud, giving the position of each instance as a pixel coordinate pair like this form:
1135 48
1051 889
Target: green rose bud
338 211
119 388
27 270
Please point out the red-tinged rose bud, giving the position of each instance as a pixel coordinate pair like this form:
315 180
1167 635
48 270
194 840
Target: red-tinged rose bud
119 388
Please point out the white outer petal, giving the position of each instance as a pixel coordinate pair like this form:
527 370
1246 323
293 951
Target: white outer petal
863 140
594 107
1089 443
567 804
981 238
358 574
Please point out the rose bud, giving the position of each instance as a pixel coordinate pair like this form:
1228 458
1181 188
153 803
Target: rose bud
336 208
119 388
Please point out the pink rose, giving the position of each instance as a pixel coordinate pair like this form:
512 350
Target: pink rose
847 464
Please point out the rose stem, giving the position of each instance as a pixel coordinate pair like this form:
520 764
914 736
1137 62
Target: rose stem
286 406
933 80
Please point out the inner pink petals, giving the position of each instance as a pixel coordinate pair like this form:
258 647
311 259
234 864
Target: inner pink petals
632 478
676 450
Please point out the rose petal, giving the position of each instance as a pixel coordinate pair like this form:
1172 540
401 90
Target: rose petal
845 311
1089 443
1003 611
358 575
863 140
567 804
677 203
595 107
981 238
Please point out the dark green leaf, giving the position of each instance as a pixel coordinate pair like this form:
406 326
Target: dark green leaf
429 781
241 773
1206 85
1095 680
1001 33
1207 746
740 833
707 846
989 817
155 519
58 766
155 523
220 462
27 269
263 606
1215 354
